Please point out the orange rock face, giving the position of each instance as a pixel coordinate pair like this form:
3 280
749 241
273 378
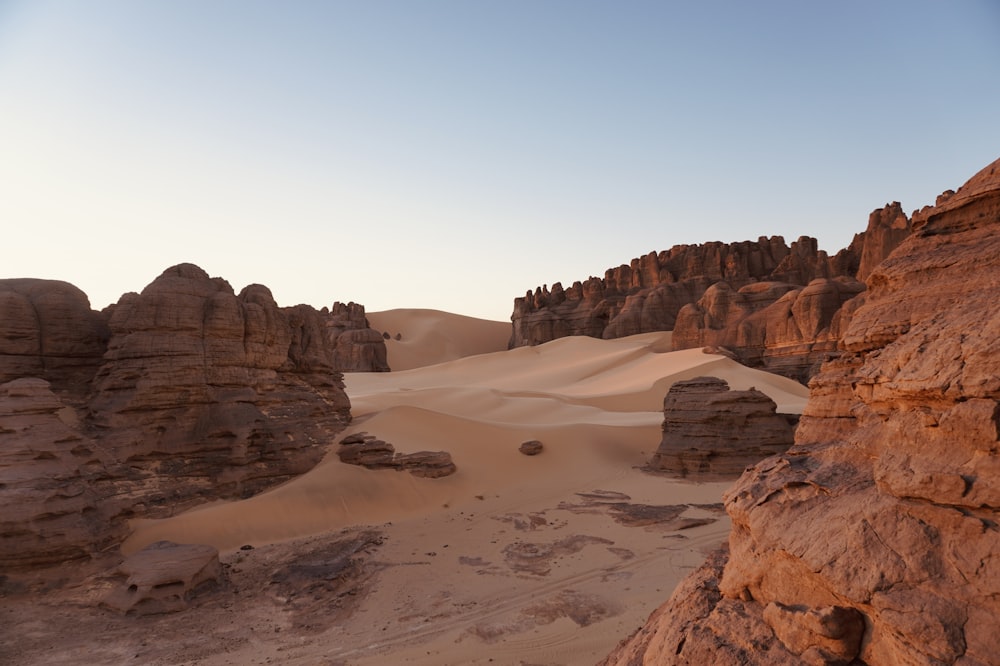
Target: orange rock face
183 393
772 305
876 536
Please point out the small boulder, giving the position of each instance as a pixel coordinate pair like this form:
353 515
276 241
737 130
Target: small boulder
531 448
430 464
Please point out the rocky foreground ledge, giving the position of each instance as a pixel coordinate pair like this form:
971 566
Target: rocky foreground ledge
875 539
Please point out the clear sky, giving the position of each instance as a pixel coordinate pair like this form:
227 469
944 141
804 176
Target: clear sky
455 154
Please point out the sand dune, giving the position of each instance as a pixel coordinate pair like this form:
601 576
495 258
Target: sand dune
427 337
511 558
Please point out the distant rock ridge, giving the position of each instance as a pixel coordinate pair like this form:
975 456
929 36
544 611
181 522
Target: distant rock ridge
179 394
874 539
721 294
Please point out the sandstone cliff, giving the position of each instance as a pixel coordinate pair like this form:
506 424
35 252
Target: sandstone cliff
875 538
772 304
182 393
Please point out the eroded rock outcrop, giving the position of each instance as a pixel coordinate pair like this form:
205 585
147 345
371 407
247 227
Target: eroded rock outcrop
203 394
647 294
368 451
773 305
164 577
780 327
49 477
884 515
710 430
48 330
182 393
356 346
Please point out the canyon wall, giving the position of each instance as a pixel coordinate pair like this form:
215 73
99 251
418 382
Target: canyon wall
875 538
773 305
180 394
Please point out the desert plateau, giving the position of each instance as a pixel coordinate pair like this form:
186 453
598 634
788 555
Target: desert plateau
745 453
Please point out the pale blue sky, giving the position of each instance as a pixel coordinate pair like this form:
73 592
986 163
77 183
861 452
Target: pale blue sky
454 154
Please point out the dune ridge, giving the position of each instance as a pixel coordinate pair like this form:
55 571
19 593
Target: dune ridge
427 337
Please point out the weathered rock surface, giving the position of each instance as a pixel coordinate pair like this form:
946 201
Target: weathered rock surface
47 329
711 431
164 577
368 451
780 327
885 513
203 393
356 346
646 295
772 304
183 393
49 475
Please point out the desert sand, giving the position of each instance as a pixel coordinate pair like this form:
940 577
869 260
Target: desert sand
547 559
420 337
513 559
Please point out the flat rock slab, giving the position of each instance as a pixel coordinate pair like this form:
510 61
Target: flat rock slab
365 450
163 577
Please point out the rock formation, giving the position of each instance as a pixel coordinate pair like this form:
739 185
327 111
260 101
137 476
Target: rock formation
356 346
875 538
164 577
47 329
49 476
646 295
531 448
772 304
368 451
712 431
182 393
780 327
203 393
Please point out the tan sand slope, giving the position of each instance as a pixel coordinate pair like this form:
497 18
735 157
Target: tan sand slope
513 558
427 337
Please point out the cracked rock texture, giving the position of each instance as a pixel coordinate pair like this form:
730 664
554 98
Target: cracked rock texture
180 394
875 539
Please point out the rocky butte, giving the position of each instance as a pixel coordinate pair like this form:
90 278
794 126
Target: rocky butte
710 430
876 538
180 394
773 305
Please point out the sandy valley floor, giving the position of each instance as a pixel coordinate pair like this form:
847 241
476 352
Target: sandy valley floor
550 559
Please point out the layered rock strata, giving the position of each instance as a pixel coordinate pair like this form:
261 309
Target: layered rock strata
780 327
774 305
875 538
373 453
50 481
173 396
647 294
206 393
48 330
710 430
356 346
